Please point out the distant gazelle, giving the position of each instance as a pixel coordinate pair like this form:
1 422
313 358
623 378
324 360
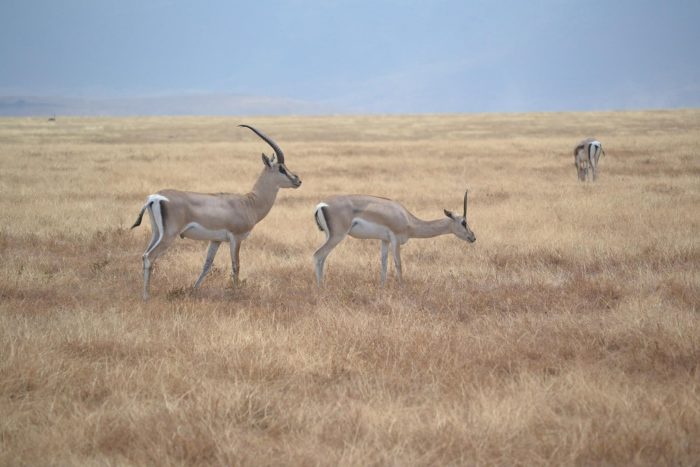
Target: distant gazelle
586 156
216 218
370 217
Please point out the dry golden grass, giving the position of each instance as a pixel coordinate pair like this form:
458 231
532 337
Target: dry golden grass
567 334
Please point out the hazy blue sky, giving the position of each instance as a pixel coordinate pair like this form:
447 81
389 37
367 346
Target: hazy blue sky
360 56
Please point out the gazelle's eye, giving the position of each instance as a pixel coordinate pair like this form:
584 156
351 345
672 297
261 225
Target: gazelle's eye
464 224
282 171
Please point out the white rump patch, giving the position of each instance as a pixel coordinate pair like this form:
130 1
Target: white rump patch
321 218
154 198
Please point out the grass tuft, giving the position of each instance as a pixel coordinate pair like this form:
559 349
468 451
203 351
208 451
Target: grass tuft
567 334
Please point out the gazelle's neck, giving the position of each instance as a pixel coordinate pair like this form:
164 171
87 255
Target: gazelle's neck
427 229
263 194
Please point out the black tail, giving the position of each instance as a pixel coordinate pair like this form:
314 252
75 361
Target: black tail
138 219
321 218
318 222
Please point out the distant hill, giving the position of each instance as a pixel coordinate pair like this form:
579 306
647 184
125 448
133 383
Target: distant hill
193 104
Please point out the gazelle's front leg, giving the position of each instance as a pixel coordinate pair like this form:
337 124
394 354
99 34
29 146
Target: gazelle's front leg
396 252
211 253
235 247
384 257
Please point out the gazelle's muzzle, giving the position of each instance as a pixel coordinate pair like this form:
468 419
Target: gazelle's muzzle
296 181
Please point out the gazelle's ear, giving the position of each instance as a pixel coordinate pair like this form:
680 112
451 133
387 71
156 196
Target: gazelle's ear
266 160
449 214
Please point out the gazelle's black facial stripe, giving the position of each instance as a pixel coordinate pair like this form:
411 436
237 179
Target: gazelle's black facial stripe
283 171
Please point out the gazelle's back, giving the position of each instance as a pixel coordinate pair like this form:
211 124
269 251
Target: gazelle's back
369 208
211 210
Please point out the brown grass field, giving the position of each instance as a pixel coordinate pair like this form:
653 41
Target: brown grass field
568 334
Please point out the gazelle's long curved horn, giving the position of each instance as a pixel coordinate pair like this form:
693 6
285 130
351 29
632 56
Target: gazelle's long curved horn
268 140
465 204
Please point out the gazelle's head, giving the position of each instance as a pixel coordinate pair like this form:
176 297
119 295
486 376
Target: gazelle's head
459 224
274 166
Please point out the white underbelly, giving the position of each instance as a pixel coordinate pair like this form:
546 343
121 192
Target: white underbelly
196 231
361 228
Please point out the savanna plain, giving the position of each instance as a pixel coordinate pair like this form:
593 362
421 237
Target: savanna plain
568 334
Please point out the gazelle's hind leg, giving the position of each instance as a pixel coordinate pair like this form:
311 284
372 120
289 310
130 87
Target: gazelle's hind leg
581 164
595 155
155 232
321 254
334 235
159 243
211 253
150 258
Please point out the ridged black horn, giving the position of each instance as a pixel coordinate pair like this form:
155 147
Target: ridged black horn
268 140
465 204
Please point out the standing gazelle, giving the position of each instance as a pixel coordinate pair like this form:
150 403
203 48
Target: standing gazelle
216 218
586 156
369 217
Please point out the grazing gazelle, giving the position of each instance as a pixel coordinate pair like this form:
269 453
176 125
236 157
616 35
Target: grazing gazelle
586 156
369 217
216 218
